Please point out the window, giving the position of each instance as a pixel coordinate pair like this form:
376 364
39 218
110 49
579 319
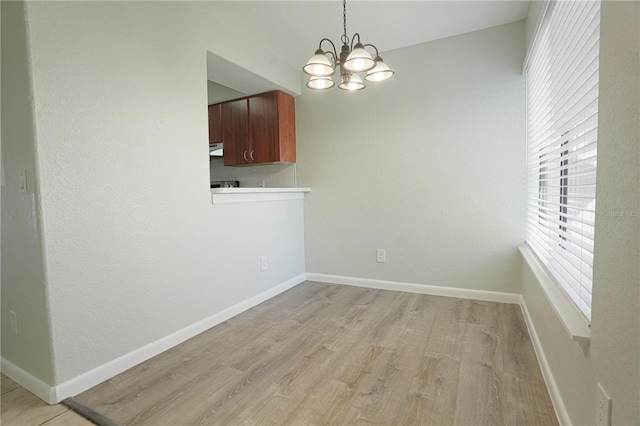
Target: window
562 132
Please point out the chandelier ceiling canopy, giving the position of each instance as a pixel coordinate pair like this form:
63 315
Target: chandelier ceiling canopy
354 62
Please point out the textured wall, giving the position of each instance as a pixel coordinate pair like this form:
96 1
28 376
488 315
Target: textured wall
23 282
614 358
616 271
572 372
134 248
429 166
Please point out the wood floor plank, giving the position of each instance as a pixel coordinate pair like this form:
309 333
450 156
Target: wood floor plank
482 396
356 364
193 403
433 393
331 354
326 405
68 418
517 352
343 324
295 297
303 376
264 373
171 368
382 392
534 404
273 406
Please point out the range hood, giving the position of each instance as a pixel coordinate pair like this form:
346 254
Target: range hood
215 150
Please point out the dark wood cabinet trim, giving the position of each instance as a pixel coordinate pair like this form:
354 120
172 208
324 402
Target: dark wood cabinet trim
215 123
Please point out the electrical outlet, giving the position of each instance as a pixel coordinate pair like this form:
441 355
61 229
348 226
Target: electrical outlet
13 318
381 256
603 407
263 263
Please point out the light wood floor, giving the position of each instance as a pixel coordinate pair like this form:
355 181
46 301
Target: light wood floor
329 354
22 408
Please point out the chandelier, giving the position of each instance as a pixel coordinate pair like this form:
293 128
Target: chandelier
354 61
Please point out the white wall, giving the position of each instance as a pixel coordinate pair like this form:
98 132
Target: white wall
614 356
23 281
616 270
429 166
134 249
219 93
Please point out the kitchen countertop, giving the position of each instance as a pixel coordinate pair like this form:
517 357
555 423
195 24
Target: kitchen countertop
250 195
256 190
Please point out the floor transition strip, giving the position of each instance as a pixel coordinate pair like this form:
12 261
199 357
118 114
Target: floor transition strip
88 412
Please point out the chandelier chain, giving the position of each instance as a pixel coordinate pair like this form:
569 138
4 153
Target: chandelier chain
345 39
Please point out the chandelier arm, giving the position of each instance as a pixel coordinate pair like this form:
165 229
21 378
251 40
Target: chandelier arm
334 54
333 57
353 39
374 48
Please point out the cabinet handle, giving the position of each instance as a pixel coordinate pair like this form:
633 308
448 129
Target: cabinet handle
251 155
245 156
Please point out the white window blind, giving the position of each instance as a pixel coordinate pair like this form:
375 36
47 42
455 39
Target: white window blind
562 132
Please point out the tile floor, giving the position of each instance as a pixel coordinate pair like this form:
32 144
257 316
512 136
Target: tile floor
22 408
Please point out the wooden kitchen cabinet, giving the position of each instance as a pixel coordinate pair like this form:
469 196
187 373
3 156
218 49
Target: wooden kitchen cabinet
235 132
215 123
259 129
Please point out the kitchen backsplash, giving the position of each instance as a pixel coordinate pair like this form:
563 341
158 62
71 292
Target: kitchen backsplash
273 175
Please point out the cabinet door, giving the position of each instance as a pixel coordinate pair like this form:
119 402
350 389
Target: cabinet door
272 127
215 123
235 132
286 128
263 125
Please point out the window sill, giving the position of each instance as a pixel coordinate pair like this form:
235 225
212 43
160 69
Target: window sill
252 195
575 324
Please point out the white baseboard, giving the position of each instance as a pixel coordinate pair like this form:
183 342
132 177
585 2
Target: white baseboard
36 386
489 296
55 394
552 387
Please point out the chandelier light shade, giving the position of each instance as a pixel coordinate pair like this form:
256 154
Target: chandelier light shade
320 83
319 65
351 82
359 60
380 72
353 60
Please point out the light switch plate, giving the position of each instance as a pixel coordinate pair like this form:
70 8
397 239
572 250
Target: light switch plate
14 322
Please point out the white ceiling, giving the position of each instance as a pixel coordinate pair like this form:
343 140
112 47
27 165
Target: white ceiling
291 30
